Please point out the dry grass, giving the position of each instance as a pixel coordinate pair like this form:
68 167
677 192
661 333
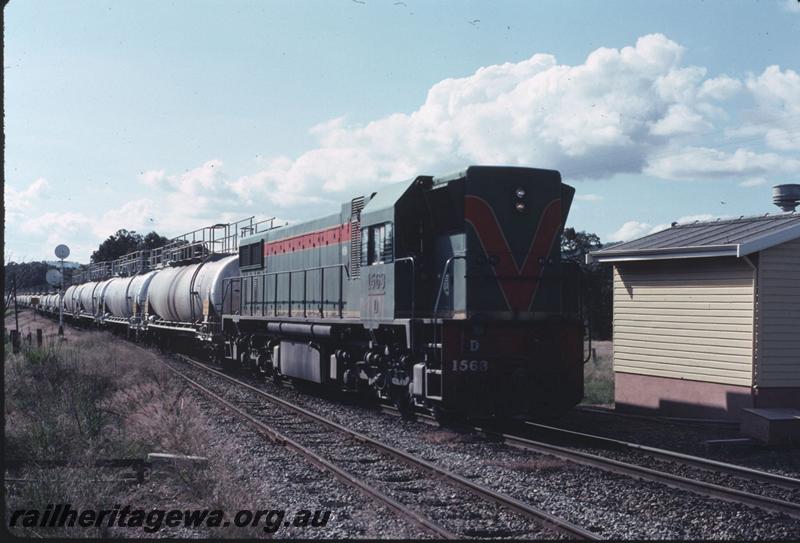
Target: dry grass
95 397
599 376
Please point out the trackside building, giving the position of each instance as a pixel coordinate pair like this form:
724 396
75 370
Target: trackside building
707 317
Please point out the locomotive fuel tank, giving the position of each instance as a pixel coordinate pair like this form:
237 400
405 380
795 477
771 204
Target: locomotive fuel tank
178 294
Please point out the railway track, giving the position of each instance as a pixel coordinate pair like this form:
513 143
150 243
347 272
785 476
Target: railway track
672 421
570 443
667 478
459 515
706 464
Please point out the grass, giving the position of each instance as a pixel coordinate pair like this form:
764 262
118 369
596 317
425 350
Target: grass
94 397
598 374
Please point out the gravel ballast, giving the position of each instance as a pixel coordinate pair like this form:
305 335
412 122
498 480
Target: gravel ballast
612 505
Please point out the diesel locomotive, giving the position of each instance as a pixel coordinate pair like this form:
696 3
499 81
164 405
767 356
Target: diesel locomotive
446 293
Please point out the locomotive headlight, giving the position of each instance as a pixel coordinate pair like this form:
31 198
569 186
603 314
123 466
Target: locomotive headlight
520 192
520 206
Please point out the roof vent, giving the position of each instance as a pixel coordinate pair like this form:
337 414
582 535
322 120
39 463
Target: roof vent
786 197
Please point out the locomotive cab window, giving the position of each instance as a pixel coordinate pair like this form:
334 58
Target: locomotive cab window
377 244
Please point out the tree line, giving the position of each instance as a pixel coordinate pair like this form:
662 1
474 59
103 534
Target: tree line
31 275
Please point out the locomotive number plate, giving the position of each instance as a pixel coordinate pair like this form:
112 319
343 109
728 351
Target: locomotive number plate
470 365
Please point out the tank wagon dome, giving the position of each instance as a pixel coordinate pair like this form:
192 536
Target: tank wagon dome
170 291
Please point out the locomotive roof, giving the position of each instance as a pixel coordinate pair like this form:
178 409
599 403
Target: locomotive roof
386 197
734 237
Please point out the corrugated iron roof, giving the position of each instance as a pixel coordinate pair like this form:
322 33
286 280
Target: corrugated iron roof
732 237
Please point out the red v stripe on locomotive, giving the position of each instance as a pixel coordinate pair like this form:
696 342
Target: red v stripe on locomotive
519 285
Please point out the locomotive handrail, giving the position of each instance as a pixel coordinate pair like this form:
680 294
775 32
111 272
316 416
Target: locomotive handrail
439 295
261 278
413 293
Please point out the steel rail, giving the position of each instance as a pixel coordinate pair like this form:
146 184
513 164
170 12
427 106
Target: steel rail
542 517
687 459
674 421
643 473
648 474
317 460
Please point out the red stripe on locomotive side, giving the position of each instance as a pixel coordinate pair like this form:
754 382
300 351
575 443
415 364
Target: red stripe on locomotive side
518 284
320 238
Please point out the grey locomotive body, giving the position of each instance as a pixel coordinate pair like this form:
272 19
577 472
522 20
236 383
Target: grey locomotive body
445 292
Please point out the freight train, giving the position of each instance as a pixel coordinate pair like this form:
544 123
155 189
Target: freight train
445 293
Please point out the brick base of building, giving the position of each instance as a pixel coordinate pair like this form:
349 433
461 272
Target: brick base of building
666 397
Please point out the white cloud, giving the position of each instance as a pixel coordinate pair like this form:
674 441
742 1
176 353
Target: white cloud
777 94
66 223
719 88
753 182
622 110
634 109
604 116
792 6
589 197
680 119
705 163
153 178
636 229
630 230
19 200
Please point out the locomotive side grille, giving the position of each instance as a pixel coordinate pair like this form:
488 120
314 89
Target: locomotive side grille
356 205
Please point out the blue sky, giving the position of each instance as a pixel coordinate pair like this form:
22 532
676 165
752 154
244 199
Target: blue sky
172 115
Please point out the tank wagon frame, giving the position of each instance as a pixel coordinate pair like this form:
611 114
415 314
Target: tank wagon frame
441 292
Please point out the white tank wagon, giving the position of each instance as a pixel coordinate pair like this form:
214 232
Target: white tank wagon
98 296
69 299
171 291
124 295
85 294
116 296
137 292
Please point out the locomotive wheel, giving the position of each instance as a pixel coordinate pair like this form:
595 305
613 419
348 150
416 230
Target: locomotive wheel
402 401
442 416
229 365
